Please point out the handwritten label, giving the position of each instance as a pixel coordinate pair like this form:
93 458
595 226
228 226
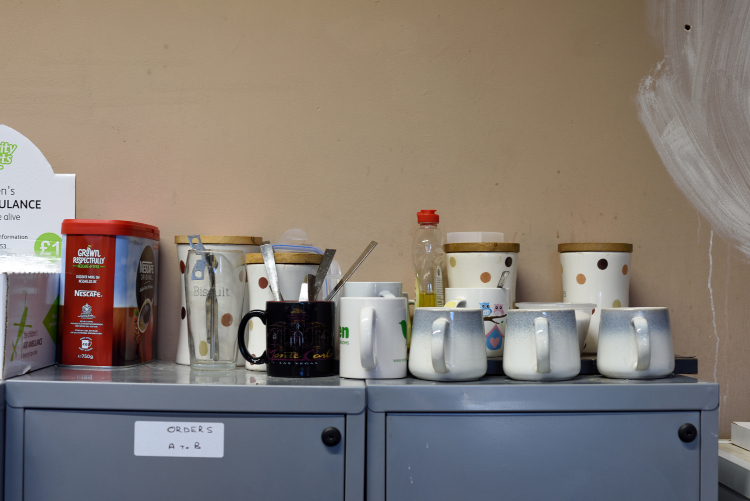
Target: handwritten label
179 439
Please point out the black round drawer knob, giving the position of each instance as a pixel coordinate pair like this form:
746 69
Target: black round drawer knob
687 432
332 436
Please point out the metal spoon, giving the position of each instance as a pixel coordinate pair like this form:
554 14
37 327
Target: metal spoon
351 270
503 278
323 267
273 277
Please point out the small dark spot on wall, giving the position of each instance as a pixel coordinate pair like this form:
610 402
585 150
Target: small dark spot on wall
687 27
557 233
166 45
496 184
558 172
148 71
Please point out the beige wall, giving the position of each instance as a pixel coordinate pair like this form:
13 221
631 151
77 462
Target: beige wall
345 118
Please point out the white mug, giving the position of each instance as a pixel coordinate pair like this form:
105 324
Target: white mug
494 303
372 289
541 345
596 273
583 315
212 243
291 268
447 344
635 343
482 264
372 337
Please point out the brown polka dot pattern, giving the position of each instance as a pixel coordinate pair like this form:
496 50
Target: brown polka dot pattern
183 313
581 278
616 303
602 264
485 277
625 269
262 282
250 323
453 262
203 349
508 261
226 319
182 266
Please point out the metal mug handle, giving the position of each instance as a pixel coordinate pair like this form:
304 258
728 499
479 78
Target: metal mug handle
263 359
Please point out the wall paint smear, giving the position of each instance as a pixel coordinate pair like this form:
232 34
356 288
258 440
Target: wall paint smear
696 107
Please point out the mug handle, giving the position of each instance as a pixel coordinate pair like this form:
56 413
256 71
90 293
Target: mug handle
459 302
440 336
541 329
366 337
241 337
643 343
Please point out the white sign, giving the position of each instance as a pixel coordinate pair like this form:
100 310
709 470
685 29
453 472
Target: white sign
33 199
179 439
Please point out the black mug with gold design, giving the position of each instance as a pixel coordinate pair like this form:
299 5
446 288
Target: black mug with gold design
299 338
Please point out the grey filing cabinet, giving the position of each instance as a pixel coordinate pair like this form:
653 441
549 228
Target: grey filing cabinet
588 438
70 435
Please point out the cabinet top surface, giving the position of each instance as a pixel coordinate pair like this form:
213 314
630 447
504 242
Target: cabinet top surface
165 386
502 394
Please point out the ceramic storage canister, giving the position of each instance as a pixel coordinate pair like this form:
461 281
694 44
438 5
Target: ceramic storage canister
211 243
472 265
596 273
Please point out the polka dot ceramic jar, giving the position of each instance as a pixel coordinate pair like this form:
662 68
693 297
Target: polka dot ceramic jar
292 268
596 273
472 265
214 243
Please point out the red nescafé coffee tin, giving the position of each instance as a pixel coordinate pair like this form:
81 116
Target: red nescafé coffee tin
108 285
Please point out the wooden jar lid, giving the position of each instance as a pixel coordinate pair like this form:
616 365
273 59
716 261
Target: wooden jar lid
216 239
594 247
286 258
483 247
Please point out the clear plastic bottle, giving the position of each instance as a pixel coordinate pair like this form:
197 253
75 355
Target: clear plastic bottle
428 256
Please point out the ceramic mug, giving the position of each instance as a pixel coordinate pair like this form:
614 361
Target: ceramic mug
596 273
635 343
583 315
372 337
447 344
372 289
212 243
299 338
493 303
541 345
482 264
291 268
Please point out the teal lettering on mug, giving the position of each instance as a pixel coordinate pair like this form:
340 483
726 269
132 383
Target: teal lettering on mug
344 332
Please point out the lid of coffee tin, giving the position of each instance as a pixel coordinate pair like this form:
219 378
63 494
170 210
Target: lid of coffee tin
217 239
109 227
594 247
483 247
285 258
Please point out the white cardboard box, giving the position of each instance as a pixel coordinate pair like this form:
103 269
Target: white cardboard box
741 435
28 321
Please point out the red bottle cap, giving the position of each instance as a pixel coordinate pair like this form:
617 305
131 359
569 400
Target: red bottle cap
427 216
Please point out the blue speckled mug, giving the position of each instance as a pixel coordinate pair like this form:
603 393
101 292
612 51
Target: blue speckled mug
447 344
635 343
541 345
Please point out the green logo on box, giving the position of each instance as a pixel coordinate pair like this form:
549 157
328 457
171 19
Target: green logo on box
50 321
6 154
48 245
